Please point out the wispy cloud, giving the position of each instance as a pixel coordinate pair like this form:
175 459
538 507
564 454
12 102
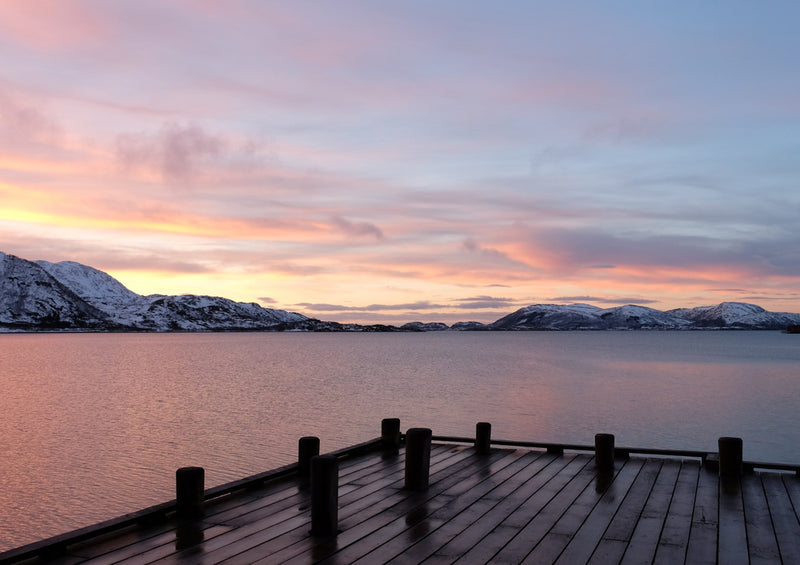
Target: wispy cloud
357 228
176 152
602 300
23 122
485 302
391 160
52 25
421 305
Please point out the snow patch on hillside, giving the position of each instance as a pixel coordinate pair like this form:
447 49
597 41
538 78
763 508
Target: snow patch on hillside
70 295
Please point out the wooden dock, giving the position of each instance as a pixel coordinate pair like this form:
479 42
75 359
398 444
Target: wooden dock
517 503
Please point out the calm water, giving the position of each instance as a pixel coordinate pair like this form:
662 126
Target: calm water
95 425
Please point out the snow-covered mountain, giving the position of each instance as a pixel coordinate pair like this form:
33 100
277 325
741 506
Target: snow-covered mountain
198 313
39 295
736 315
641 317
95 287
728 315
550 317
30 298
68 295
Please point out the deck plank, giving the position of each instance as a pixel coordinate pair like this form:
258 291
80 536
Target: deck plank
784 517
762 544
674 540
481 535
732 536
524 503
792 484
117 541
644 541
495 506
465 508
413 509
466 504
569 497
375 502
284 494
581 545
624 522
514 505
278 522
702 546
157 547
275 534
615 540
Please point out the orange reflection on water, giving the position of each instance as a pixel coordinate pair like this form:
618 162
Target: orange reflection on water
95 424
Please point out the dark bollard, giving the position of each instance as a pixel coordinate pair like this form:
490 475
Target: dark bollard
483 438
390 433
730 457
188 533
307 448
189 490
604 451
418 458
324 495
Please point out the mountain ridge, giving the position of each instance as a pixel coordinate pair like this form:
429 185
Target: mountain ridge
44 296
39 295
723 316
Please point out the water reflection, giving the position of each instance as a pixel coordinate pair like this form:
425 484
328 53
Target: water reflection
95 425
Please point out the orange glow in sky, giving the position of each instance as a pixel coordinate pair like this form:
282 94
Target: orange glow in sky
433 162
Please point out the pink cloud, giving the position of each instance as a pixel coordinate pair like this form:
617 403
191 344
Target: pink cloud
26 129
23 120
53 25
357 228
175 152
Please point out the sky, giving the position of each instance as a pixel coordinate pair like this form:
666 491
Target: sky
376 161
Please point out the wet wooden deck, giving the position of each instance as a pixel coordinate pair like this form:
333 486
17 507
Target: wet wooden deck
515 505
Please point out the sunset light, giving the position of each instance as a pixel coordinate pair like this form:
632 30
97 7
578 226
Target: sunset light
443 161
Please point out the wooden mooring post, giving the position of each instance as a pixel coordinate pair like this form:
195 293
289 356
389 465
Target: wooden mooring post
189 489
604 451
390 433
730 457
307 448
324 495
483 438
418 458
